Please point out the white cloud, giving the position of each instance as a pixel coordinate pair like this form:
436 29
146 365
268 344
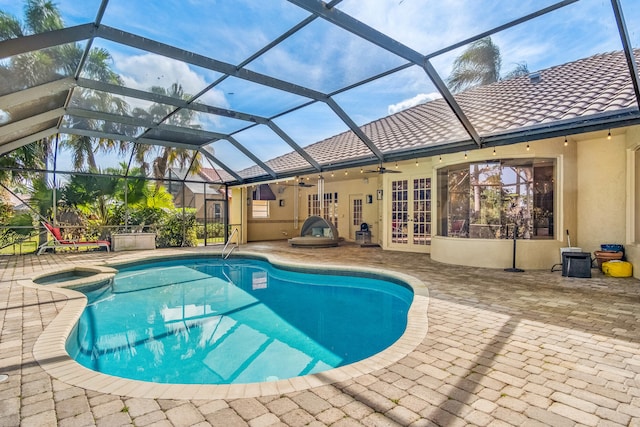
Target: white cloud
420 98
144 71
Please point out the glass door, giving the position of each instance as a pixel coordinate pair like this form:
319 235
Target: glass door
410 212
214 221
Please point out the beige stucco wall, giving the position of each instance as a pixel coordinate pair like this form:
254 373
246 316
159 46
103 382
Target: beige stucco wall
602 182
238 212
282 223
596 198
632 246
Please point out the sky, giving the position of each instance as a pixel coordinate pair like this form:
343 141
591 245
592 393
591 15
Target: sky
327 59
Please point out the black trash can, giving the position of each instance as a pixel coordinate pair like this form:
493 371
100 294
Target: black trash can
576 264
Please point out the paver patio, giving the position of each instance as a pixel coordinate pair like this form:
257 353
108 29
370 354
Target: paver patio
531 348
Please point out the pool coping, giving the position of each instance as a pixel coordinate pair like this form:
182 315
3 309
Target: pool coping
49 350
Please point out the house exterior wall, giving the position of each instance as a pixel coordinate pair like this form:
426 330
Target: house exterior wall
281 223
632 246
596 200
602 192
530 254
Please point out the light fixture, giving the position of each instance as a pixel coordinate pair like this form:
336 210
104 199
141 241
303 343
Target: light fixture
346 172
361 170
465 155
416 162
494 151
528 147
332 174
565 141
609 135
396 165
440 159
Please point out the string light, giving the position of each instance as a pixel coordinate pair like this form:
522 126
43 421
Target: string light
609 135
565 141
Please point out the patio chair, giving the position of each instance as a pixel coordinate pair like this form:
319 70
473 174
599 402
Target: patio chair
59 242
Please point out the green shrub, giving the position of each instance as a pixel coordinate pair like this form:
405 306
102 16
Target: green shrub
214 231
170 233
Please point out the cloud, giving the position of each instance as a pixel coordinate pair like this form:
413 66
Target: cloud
420 98
147 70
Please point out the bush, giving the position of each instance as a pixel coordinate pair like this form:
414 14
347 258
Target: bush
140 219
215 230
171 231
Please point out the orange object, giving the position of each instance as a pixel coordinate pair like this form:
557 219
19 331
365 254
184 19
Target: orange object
604 256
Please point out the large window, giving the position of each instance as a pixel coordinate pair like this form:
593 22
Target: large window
491 200
260 209
329 208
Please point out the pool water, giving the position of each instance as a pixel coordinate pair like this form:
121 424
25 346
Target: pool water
204 321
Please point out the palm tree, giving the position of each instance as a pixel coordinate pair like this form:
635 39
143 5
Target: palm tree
38 67
168 156
521 69
479 64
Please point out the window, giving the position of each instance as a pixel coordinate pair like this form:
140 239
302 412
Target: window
329 208
490 200
260 209
357 212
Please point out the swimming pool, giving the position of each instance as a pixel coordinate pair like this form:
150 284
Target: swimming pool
209 321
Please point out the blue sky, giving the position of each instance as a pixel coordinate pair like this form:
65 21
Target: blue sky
326 58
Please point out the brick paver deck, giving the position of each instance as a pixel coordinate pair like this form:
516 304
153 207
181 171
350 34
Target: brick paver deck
531 348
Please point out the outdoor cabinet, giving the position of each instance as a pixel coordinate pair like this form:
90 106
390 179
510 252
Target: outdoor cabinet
133 241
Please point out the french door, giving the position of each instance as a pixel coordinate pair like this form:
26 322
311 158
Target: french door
355 203
410 224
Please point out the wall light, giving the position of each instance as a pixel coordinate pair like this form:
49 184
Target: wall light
465 155
440 159
565 141
528 147
416 162
494 151
609 135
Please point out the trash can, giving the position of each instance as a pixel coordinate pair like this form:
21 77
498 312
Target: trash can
363 237
576 264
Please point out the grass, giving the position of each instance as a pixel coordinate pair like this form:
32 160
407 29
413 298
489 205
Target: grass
25 247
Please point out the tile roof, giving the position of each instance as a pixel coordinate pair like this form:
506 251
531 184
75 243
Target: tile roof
597 84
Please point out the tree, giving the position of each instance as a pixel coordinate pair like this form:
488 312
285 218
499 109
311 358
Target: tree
167 157
479 65
46 65
520 69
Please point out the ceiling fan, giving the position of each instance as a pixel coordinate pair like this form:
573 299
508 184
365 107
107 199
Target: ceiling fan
300 184
381 169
